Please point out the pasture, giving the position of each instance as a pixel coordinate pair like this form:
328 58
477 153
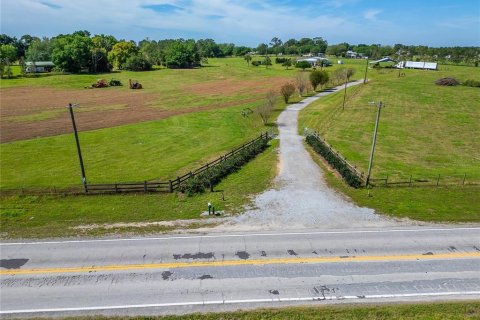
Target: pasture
425 131
182 119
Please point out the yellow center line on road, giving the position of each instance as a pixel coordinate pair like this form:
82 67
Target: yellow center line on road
228 263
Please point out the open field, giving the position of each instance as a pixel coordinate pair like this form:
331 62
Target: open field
35 107
180 135
425 131
57 216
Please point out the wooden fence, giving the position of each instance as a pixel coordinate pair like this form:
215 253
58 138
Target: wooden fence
432 181
171 185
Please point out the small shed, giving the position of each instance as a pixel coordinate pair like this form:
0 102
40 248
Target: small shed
39 66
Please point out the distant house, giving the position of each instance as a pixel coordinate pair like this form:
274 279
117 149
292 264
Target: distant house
315 61
351 54
39 66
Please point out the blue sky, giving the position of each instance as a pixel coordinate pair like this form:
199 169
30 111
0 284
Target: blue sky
250 22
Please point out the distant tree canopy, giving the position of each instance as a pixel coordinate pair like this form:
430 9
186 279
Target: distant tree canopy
82 52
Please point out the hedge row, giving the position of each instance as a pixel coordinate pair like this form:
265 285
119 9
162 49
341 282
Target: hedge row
335 161
215 174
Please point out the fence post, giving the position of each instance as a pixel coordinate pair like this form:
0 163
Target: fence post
464 177
191 174
170 185
410 180
116 188
145 186
178 180
438 180
386 181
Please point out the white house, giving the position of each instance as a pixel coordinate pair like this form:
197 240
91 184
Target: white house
39 66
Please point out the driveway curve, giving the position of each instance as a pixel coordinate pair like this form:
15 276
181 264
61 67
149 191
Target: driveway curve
300 197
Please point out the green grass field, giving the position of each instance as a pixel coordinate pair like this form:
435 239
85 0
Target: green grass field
425 131
56 216
407 311
143 151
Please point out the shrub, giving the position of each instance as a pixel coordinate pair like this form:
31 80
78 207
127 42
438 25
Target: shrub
256 63
137 63
265 109
447 82
287 90
280 60
267 61
301 82
214 175
335 161
115 83
472 83
287 63
303 65
318 78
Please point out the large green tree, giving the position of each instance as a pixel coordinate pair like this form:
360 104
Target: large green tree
72 52
8 54
182 54
121 51
40 50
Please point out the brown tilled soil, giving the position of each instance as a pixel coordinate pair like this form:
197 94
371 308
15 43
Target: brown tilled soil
134 106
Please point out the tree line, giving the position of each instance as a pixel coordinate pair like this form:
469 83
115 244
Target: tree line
80 51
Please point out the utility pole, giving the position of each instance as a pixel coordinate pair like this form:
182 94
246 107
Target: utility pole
79 151
345 91
366 71
379 108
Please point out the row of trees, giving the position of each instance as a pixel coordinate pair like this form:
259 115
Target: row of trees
303 83
401 51
318 45
80 51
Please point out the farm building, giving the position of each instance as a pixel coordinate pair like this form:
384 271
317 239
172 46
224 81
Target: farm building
39 66
417 65
315 61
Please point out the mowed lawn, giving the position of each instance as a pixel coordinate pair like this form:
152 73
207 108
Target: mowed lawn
425 131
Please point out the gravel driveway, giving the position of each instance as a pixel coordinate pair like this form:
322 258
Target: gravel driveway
300 197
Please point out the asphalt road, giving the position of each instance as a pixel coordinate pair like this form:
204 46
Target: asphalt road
180 274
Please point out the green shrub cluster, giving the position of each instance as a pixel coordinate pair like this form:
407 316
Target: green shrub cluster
337 163
471 83
256 63
115 83
279 60
215 174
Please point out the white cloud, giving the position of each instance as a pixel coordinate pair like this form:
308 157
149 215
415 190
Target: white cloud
371 14
240 20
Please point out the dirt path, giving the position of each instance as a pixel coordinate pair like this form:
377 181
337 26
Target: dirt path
300 197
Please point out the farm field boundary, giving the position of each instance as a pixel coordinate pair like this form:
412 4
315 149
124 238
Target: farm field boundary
139 187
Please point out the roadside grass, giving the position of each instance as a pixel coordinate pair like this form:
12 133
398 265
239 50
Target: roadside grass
402 311
430 204
56 216
424 131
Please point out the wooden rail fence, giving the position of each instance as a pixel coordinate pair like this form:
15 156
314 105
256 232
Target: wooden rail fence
171 185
